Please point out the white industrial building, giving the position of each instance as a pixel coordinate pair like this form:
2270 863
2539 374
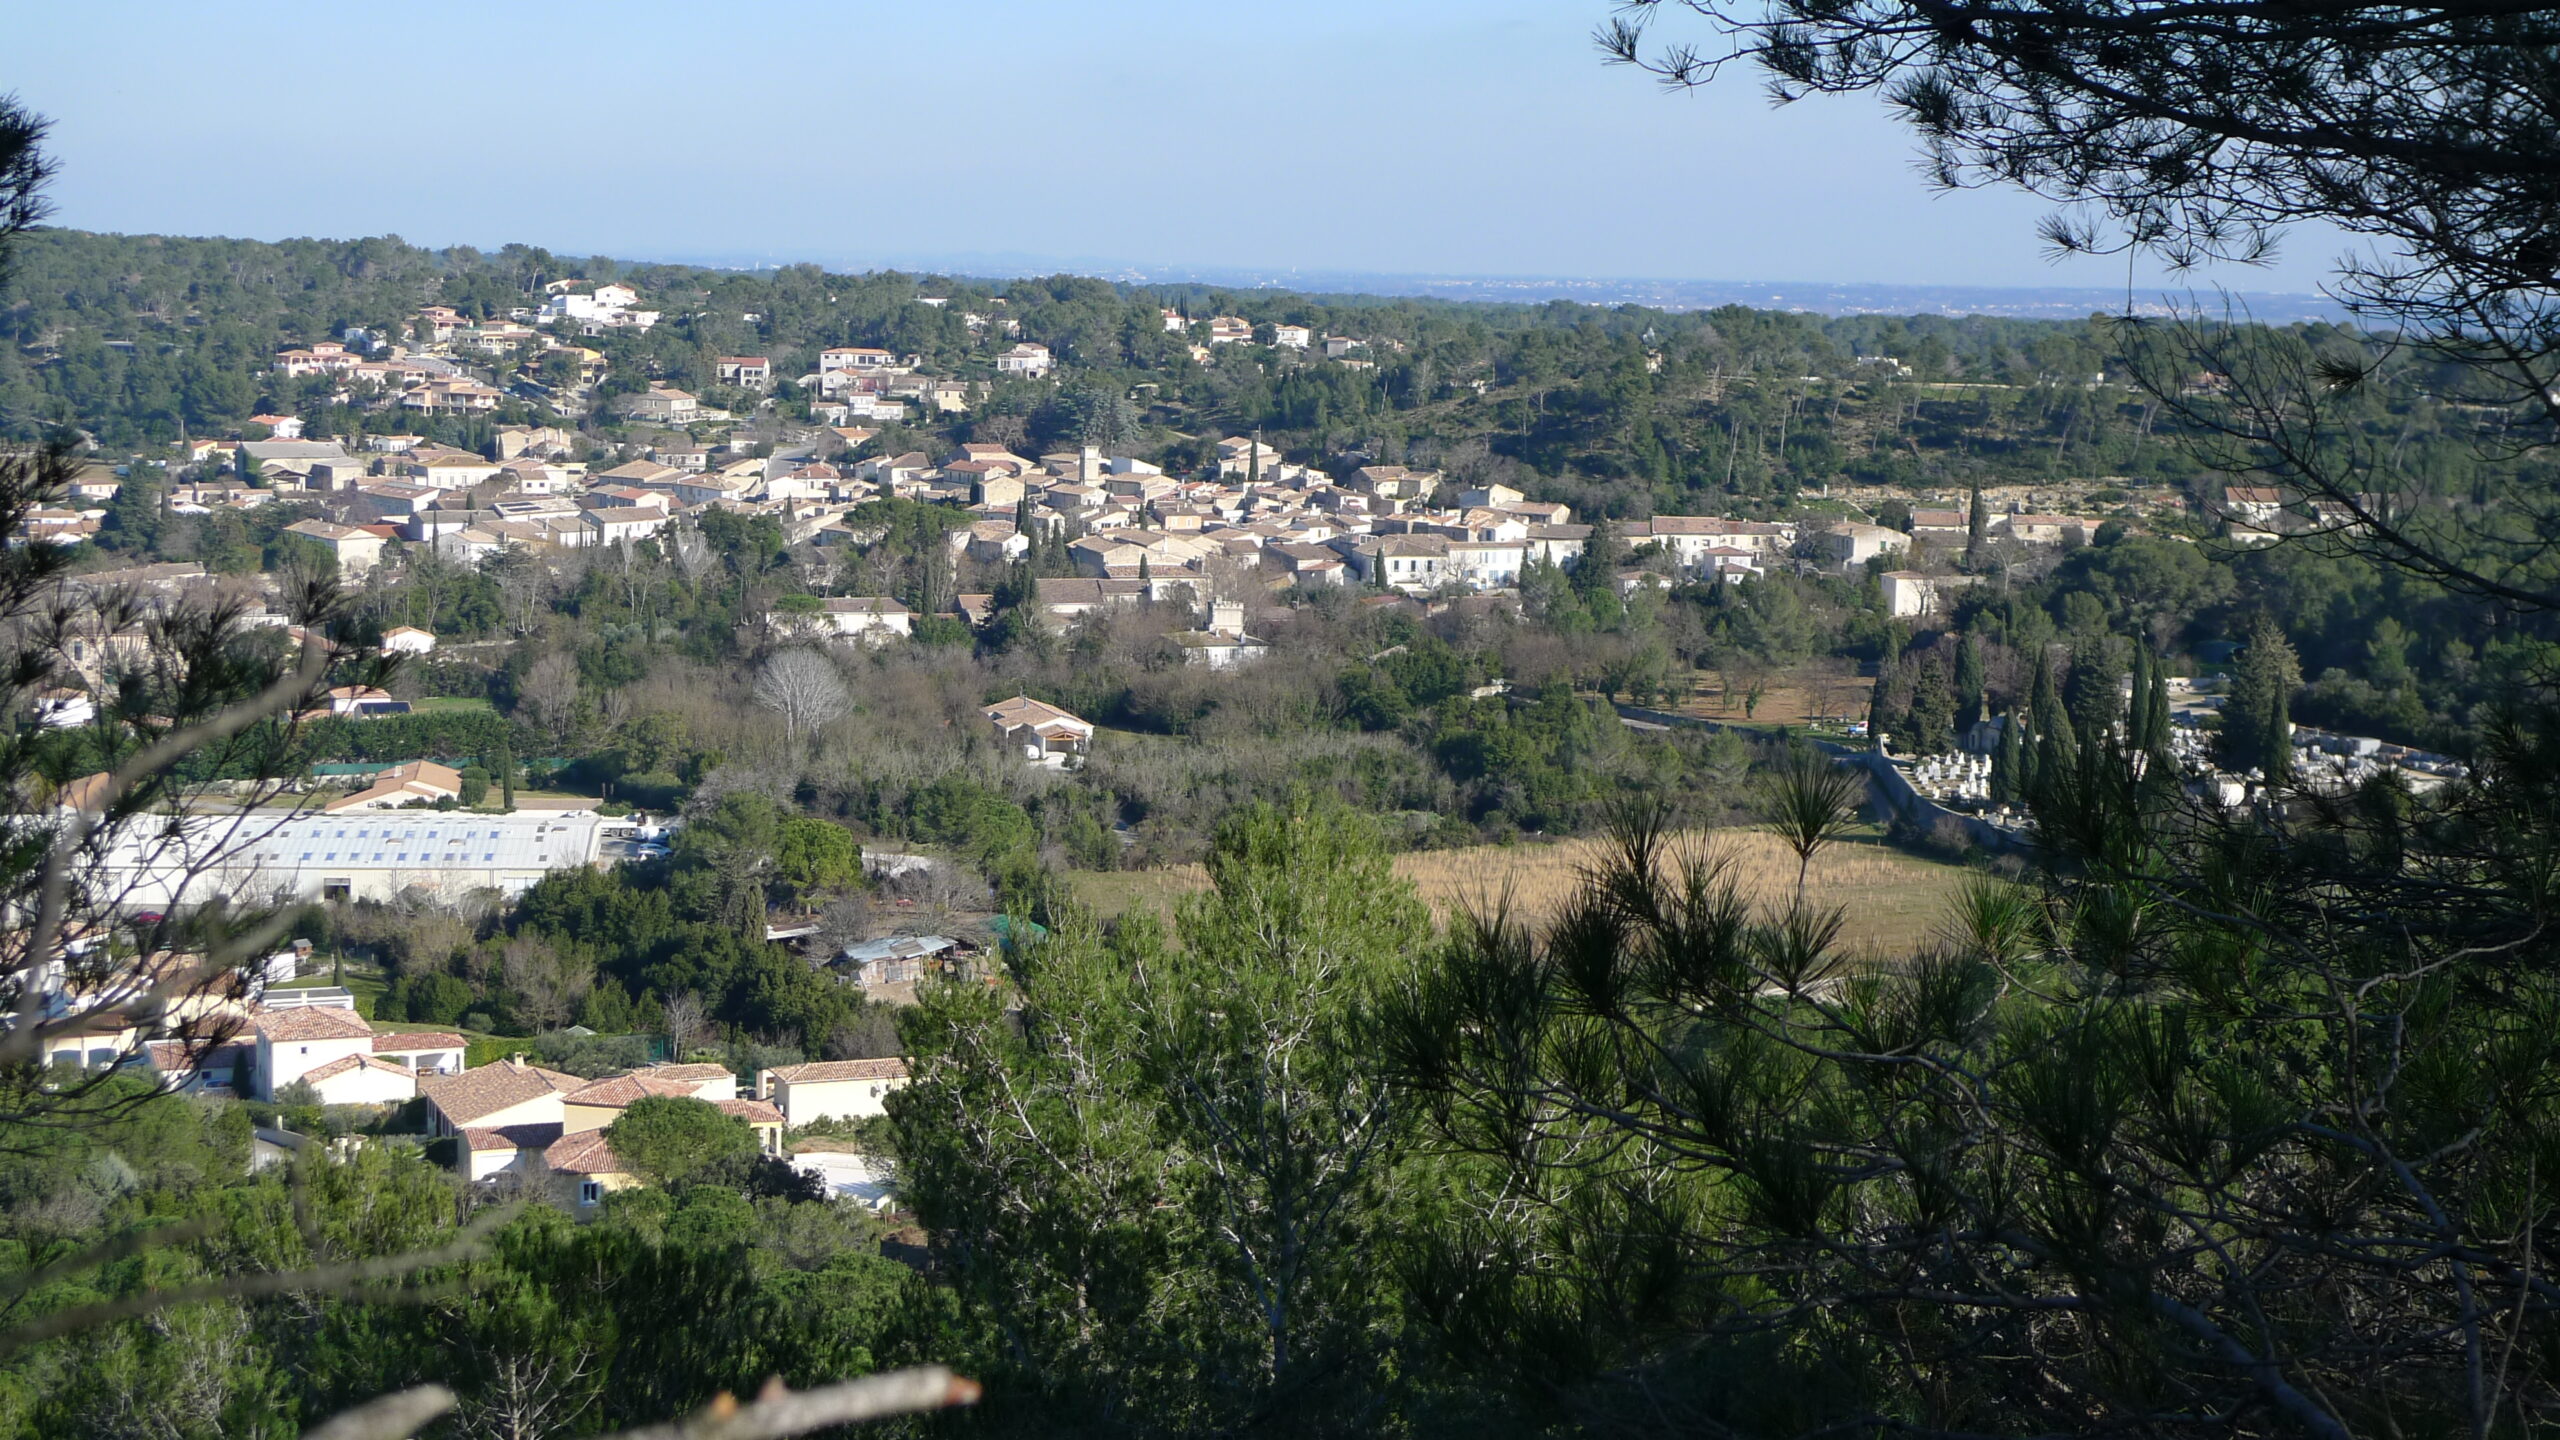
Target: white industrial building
378 855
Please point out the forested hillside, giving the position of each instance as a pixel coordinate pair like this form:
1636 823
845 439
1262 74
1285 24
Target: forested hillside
139 339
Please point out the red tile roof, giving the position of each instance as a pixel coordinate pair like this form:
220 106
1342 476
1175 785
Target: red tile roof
466 1097
584 1153
346 1063
821 1072
314 1022
416 1041
618 1091
513 1137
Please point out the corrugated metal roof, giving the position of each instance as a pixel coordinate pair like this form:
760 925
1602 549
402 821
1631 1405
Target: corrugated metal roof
429 839
898 947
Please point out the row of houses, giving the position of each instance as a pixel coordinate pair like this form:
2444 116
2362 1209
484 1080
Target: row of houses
512 1118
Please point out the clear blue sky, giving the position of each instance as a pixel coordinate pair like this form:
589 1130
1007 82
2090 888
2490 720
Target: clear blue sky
1475 137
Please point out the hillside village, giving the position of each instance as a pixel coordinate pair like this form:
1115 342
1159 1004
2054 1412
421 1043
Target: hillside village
1135 797
1249 518
1212 558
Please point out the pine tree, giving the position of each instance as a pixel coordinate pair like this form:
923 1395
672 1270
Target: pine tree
2257 721
2094 694
1933 709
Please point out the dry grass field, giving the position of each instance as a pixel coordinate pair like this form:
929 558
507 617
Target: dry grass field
1803 695
1894 900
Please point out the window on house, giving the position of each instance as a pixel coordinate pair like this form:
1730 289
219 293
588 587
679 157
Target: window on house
335 889
590 1191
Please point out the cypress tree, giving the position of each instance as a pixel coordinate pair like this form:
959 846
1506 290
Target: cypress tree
505 764
2044 702
2057 744
2023 774
2275 740
1881 719
2009 760
2138 708
1969 682
2155 709
1977 529
1601 556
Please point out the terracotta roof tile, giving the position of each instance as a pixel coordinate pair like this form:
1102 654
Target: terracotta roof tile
513 1137
621 1090
417 1040
466 1097
584 1153
345 1063
315 1022
820 1072
689 1072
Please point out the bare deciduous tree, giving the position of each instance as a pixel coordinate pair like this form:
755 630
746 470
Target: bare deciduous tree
690 552
687 1022
550 692
547 984
528 1397
802 686
845 921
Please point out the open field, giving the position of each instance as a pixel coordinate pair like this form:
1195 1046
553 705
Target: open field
1893 899
1799 696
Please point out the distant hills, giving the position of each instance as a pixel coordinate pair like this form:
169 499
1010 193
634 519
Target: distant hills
2051 302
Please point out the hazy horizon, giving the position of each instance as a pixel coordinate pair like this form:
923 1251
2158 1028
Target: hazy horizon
1430 138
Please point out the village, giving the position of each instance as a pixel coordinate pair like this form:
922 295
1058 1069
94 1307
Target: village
1249 518
1239 536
